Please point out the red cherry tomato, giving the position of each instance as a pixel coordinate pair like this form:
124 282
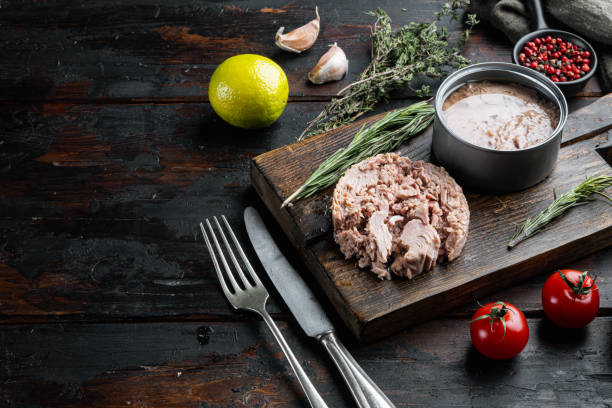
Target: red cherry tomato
499 330
570 298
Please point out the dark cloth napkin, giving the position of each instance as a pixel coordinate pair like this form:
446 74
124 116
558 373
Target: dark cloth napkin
589 18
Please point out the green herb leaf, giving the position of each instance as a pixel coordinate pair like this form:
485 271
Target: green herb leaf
417 49
382 136
582 194
579 289
496 313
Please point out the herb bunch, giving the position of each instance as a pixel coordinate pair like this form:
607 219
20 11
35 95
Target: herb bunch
582 194
417 49
384 135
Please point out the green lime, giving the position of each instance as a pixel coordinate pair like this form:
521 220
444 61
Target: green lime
248 91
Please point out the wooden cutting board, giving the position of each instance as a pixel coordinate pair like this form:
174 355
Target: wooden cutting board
372 308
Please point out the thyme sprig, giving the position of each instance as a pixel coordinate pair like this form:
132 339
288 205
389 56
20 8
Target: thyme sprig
384 135
398 57
584 193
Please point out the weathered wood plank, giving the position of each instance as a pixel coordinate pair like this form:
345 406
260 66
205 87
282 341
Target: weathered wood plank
144 50
104 224
102 221
528 294
73 295
99 206
592 120
373 309
282 171
240 365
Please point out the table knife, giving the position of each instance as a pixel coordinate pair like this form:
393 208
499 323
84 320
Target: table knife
309 313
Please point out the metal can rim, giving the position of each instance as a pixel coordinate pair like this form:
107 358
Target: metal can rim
455 80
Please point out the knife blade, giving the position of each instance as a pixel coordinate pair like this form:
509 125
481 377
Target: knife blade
296 294
308 312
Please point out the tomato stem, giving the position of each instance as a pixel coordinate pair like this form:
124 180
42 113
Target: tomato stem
578 288
496 313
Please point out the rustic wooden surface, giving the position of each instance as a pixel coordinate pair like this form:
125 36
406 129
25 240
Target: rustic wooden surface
109 156
373 309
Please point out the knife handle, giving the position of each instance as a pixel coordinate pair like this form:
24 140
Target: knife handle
366 393
316 401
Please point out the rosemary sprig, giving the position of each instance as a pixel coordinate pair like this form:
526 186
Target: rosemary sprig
384 135
582 194
417 49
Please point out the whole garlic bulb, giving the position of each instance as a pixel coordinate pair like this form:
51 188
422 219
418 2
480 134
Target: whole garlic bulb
332 66
301 38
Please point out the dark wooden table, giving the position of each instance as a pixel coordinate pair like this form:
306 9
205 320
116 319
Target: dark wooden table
111 155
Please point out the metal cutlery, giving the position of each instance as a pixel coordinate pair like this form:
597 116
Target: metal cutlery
309 314
250 294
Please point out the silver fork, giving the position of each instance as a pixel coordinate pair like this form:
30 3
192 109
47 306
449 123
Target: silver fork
253 297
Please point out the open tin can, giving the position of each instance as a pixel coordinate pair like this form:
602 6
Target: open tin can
489 170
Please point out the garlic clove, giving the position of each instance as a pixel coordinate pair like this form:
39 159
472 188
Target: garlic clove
301 38
332 66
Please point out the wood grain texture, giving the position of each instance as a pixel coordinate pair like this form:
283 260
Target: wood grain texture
115 200
109 157
591 121
221 365
372 308
144 50
104 223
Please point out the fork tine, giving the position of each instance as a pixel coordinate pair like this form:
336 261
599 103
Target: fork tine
242 254
243 278
228 271
226 291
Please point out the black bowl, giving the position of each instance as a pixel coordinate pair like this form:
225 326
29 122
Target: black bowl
569 88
